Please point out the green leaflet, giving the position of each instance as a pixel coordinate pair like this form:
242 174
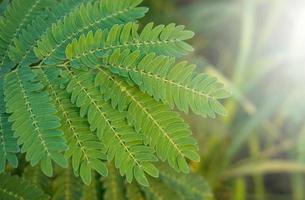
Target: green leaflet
22 52
15 188
17 16
163 129
85 149
102 14
113 185
166 40
173 84
8 144
33 120
123 144
65 185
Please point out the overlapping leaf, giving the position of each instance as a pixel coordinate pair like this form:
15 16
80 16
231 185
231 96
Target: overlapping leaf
123 144
17 16
33 120
8 144
102 14
174 84
85 149
165 40
22 51
163 129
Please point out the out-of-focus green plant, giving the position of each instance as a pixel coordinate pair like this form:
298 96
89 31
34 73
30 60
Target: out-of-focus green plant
250 45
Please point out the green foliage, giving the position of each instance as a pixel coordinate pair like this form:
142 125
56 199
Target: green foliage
162 128
179 79
33 120
103 14
8 144
123 144
22 52
166 40
13 188
82 86
17 16
177 85
84 147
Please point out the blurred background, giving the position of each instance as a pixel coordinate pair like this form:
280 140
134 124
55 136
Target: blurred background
255 47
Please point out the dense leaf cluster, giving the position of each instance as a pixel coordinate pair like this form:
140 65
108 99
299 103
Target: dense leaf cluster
81 83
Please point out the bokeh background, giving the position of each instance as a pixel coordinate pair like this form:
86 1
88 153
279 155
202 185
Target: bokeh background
255 47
